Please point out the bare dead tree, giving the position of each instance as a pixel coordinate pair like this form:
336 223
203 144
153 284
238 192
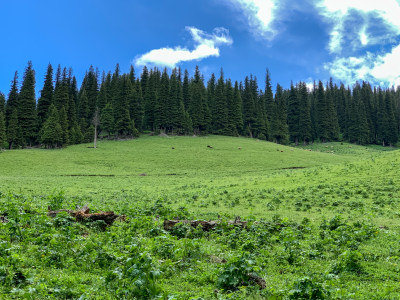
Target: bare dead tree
96 123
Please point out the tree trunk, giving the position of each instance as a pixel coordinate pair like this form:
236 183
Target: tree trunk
95 137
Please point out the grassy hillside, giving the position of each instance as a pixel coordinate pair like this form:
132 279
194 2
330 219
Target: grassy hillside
323 220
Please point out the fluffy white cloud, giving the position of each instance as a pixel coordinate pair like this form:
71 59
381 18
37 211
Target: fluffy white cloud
340 12
206 45
260 15
378 69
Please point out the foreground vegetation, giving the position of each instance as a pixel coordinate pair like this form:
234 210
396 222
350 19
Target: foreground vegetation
323 221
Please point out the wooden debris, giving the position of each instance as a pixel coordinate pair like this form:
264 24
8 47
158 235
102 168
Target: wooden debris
257 280
3 219
83 215
206 225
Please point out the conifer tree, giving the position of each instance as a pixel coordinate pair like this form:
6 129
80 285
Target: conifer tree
269 100
322 114
279 127
13 131
27 107
107 119
211 92
249 108
198 108
185 90
12 101
162 105
83 109
3 136
46 96
294 115
2 104
305 129
220 113
63 120
137 109
231 128
237 109
51 133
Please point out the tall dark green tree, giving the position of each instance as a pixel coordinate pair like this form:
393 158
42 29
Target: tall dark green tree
294 115
249 108
51 132
305 128
46 97
107 119
269 97
2 103
27 107
220 113
12 101
198 108
279 127
13 131
3 136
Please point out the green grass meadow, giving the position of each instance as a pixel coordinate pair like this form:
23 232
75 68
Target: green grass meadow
323 220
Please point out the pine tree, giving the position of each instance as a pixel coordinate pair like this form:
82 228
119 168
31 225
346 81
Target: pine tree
322 113
51 133
231 128
185 90
305 129
83 109
220 113
198 108
2 104
12 101
3 136
27 107
137 109
211 92
294 115
13 131
279 127
150 101
107 119
46 96
237 109
162 105
269 100
249 108
63 120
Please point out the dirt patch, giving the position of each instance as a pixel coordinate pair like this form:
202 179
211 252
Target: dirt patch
292 168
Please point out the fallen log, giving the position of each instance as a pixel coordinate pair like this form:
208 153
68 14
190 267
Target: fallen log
83 215
257 280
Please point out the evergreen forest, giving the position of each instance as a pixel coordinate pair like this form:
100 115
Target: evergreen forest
176 103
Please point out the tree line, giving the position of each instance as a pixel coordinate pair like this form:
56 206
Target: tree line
120 105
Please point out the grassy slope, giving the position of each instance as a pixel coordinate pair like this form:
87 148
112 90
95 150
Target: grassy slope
355 182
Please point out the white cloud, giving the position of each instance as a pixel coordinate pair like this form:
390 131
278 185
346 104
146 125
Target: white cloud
206 45
338 12
378 69
260 15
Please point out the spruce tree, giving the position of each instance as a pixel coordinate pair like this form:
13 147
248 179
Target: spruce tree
107 119
198 108
162 105
3 136
237 109
305 129
13 131
63 120
12 101
279 127
322 114
249 108
46 96
2 104
294 115
220 113
269 100
27 107
51 133
231 128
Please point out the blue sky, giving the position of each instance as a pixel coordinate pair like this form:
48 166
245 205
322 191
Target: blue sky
297 40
